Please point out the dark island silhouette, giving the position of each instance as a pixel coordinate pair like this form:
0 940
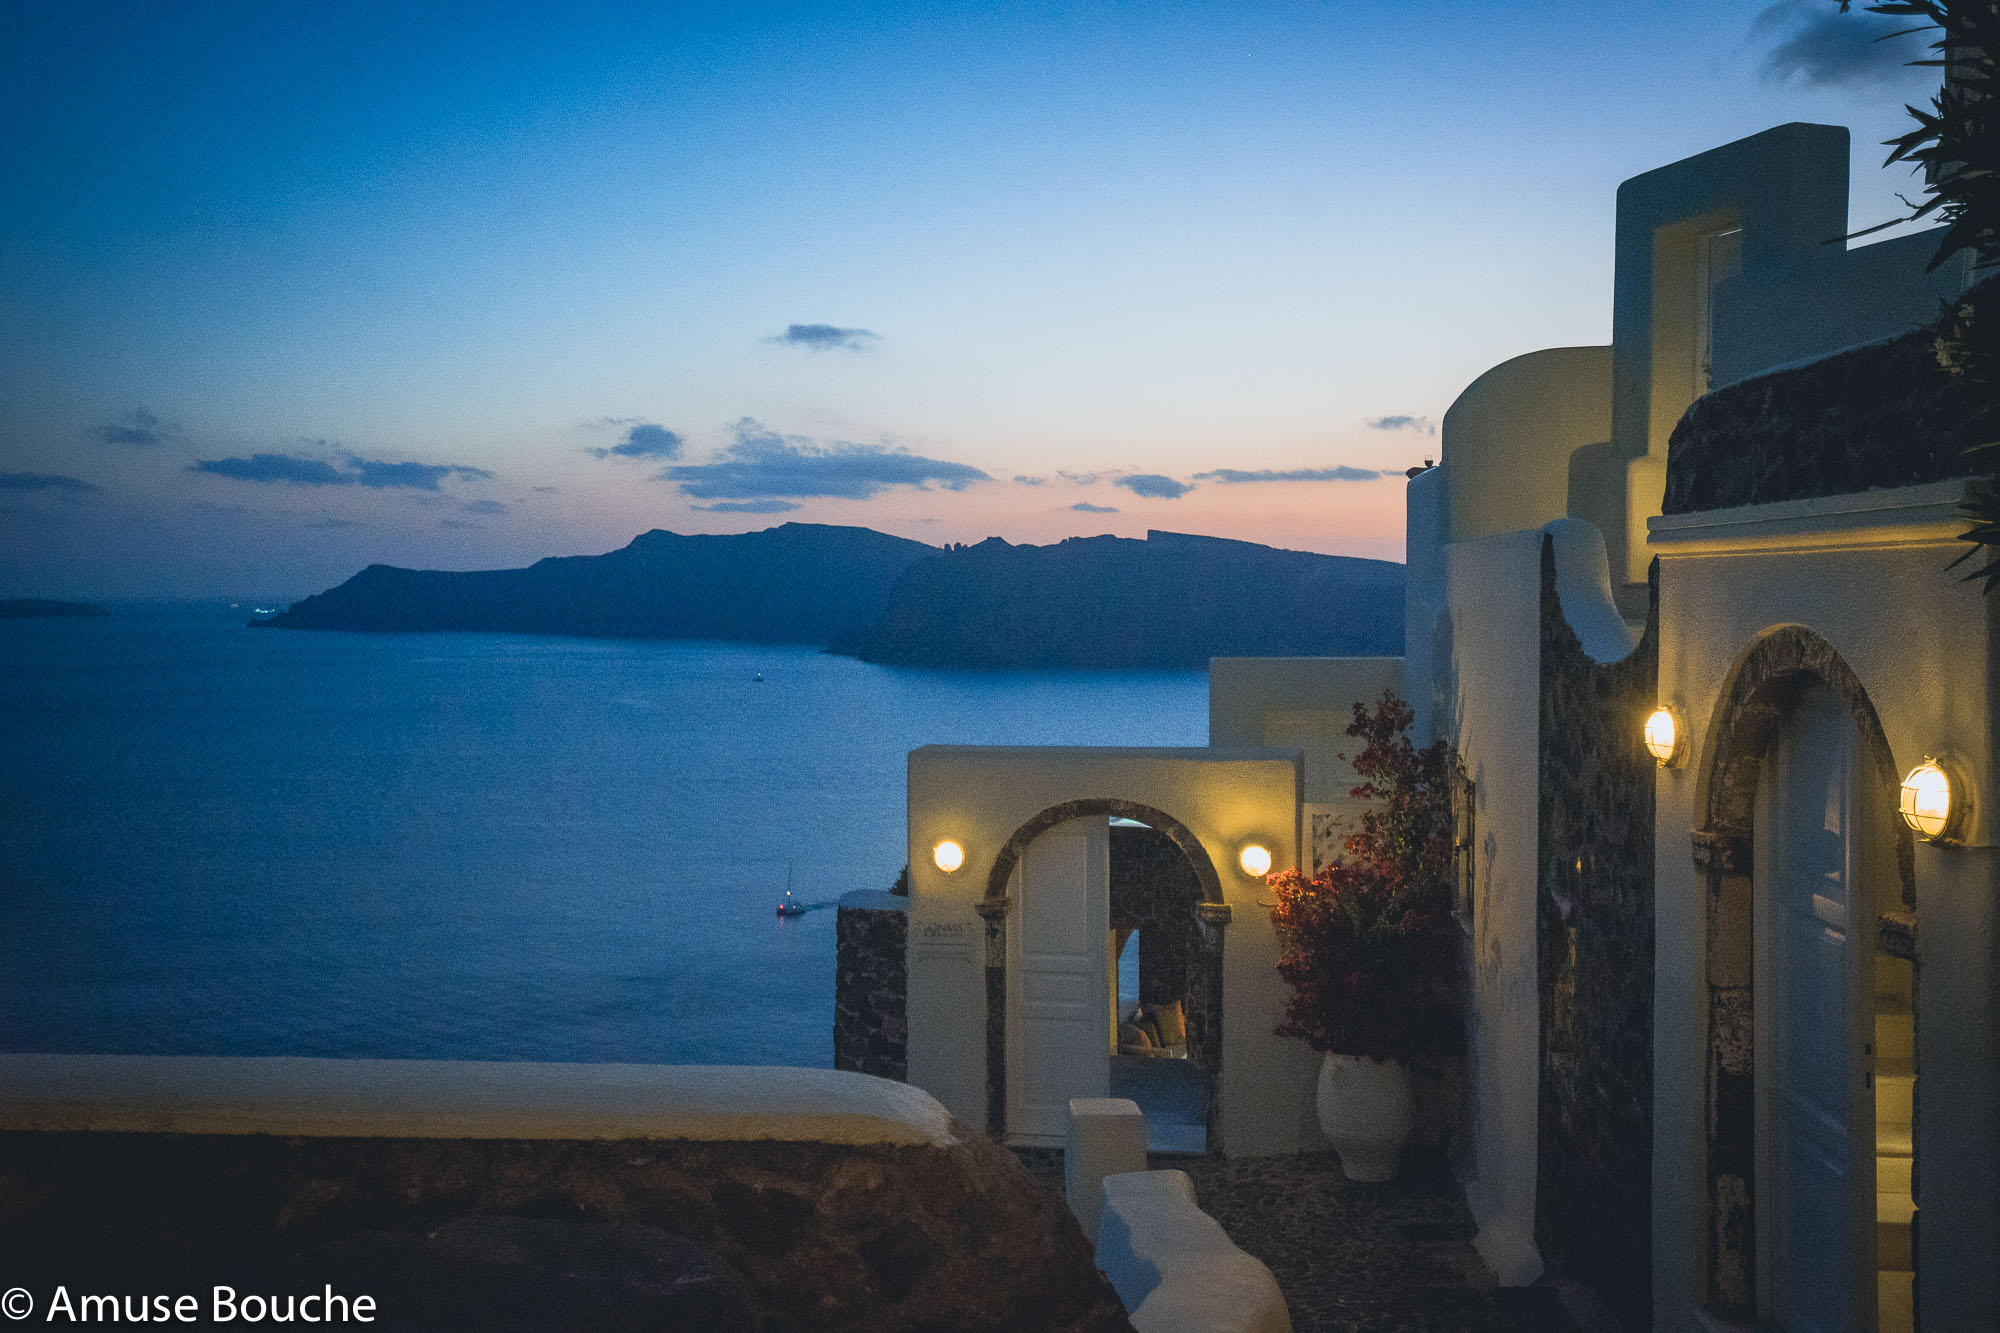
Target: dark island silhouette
1168 601
797 583
1172 600
37 608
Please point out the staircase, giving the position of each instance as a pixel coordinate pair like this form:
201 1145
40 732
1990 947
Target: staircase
1895 1206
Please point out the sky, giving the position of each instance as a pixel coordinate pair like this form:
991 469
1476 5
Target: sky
287 290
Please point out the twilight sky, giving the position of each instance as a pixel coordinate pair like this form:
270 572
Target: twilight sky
289 289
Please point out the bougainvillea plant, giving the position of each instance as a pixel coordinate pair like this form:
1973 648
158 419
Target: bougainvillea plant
1368 944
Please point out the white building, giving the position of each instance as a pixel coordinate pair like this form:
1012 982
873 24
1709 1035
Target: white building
1734 1040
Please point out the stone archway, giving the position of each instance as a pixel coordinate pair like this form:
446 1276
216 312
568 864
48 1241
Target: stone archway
1763 686
1213 914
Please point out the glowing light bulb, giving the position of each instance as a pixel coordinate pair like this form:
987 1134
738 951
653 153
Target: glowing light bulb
1663 735
948 855
1255 860
1925 800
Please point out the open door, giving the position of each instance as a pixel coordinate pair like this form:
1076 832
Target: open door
1059 1035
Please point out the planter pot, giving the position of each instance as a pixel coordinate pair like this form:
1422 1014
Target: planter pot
1365 1110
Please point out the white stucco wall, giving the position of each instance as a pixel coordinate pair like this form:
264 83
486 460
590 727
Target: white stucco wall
1825 301
1302 702
1867 573
979 795
1509 436
1494 613
1787 188
1425 536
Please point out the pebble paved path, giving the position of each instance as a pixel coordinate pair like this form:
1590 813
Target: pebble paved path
1394 1258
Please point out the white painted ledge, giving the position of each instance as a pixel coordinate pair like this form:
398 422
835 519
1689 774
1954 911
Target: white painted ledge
1173 1265
1905 516
468 1099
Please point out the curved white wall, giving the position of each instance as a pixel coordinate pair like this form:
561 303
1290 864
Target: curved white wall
1508 439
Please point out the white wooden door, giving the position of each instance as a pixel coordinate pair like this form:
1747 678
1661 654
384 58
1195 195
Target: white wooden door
1058 977
1816 1131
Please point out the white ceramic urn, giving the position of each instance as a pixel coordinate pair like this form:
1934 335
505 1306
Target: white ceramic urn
1365 1111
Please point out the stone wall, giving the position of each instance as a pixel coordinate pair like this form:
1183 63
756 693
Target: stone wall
1879 416
1594 941
870 984
769 1235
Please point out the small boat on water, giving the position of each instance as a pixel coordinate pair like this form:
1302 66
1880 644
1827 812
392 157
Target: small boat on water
758 677
788 905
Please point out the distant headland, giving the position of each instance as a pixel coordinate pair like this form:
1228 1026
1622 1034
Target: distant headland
1171 600
1168 601
36 608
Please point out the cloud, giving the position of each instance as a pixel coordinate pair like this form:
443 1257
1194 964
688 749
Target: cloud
276 468
826 337
645 440
762 463
1079 478
1421 425
1085 507
43 481
138 427
1230 476
1818 46
455 523
1153 486
485 507
1031 481
544 490
417 476
294 470
747 507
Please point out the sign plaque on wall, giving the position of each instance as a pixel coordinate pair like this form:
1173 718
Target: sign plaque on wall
946 941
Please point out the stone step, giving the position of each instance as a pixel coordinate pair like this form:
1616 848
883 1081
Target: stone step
1893 1213
1895 1101
1895 1302
1895 1035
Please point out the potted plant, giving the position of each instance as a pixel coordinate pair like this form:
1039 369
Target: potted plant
1370 947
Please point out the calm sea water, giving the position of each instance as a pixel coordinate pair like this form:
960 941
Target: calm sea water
215 840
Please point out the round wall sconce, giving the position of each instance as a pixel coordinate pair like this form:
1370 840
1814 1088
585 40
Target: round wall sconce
948 855
1255 860
1663 736
1931 803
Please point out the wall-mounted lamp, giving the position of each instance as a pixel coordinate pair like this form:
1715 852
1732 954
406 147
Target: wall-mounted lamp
948 855
1663 736
1255 860
1931 802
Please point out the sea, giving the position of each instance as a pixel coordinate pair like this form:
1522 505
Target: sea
223 841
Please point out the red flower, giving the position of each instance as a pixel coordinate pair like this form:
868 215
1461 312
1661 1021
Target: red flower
1368 944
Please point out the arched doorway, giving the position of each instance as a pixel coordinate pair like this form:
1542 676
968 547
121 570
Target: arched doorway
1811 993
1052 1020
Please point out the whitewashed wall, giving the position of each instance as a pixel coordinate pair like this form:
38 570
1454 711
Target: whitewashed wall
1866 573
1493 597
979 795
